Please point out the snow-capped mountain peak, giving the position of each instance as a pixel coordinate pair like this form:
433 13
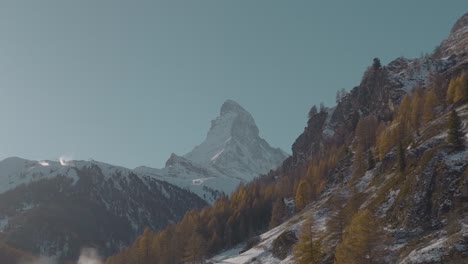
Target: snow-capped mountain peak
232 152
234 126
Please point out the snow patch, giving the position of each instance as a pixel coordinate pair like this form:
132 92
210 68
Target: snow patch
429 254
44 163
216 156
3 223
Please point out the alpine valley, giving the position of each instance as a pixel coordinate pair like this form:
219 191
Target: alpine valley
381 177
54 208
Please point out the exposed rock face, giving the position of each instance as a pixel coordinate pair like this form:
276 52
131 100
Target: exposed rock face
233 146
233 152
381 90
457 42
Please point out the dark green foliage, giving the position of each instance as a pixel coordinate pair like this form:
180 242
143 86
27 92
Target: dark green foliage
376 64
401 157
312 111
455 134
370 160
278 213
252 242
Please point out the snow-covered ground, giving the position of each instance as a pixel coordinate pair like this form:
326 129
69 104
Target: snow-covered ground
261 253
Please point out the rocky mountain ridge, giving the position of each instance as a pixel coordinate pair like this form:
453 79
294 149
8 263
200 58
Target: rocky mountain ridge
232 153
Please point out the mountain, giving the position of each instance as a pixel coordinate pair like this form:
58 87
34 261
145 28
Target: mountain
422 210
381 90
378 178
54 208
232 153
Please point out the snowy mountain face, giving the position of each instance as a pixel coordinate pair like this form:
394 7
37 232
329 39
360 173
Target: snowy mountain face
233 146
233 152
54 208
381 90
417 210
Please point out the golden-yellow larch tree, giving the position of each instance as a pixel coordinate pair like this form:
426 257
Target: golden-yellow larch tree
308 250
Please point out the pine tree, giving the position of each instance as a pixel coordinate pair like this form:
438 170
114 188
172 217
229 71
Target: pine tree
455 134
376 64
401 157
312 111
370 160
308 250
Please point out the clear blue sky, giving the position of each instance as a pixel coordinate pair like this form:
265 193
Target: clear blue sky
129 82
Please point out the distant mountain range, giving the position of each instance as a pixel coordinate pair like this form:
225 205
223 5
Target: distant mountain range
54 208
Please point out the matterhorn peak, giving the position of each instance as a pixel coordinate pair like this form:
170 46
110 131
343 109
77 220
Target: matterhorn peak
234 147
230 106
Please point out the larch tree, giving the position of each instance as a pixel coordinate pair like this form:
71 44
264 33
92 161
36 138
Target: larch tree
278 213
457 88
461 90
416 109
195 249
430 104
403 117
361 241
451 91
455 133
359 164
308 250
303 194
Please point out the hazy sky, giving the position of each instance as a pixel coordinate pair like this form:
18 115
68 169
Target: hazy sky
129 82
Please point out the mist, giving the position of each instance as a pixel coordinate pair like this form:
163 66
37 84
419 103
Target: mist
87 256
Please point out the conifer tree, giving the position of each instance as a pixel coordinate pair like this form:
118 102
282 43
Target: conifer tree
195 250
361 240
455 134
359 167
370 160
451 91
385 142
303 193
308 250
401 157
461 91
416 109
312 111
458 88
430 103
403 117
277 213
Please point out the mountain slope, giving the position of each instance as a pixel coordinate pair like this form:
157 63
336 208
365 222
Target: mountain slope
55 208
376 175
416 208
